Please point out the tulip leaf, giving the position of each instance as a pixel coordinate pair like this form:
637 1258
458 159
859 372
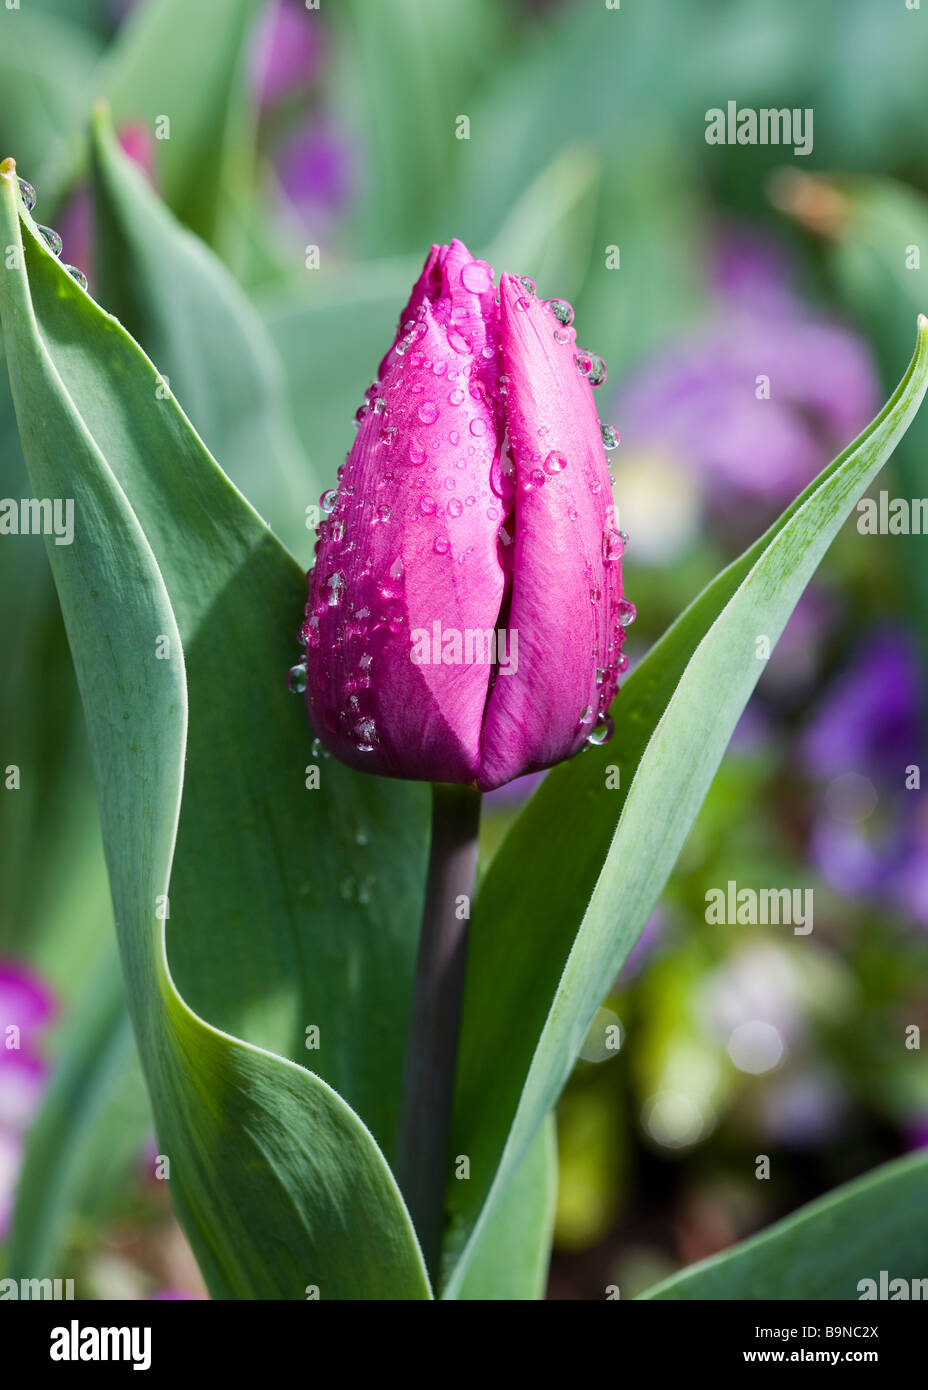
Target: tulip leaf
514 1249
573 883
875 1223
180 607
183 307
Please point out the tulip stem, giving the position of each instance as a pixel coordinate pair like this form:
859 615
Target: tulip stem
432 1047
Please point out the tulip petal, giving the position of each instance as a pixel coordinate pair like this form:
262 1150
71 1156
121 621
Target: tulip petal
410 552
565 599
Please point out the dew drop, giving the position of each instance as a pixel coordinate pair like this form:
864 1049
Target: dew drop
555 463
565 335
328 500
477 277
428 412
426 505
378 405
366 735
77 275
601 731
561 310
585 716
416 453
458 342
599 371
527 284
296 678
52 240
478 427
627 612
455 507
610 436
456 396
439 368
612 547
28 194
335 589
441 545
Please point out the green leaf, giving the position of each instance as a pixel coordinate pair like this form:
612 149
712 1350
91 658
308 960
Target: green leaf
173 59
89 1130
183 307
45 63
878 1222
513 1251
547 943
278 1182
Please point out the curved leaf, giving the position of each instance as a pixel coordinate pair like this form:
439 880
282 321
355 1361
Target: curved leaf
877 1223
278 1182
545 945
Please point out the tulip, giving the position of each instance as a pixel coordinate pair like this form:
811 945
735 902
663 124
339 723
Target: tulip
465 617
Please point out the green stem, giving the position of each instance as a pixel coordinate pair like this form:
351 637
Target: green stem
432 1047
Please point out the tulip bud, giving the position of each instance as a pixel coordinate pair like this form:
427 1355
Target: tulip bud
465 617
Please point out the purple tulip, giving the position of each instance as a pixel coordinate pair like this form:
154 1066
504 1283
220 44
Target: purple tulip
465 617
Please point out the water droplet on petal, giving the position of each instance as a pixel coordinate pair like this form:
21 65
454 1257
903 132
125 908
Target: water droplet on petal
52 239
599 372
458 342
478 427
426 505
28 194
565 335
527 284
585 716
562 311
613 548
328 500
366 735
556 462
77 275
441 545
627 613
428 412
610 436
378 405
335 589
477 277
296 678
456 396
601 731
416 453
455 507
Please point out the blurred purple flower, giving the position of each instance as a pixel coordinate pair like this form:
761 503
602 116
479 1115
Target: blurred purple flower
287 51
315 167
698 401
27 1006
868 837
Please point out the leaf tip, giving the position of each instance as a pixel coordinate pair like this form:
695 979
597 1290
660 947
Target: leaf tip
8 166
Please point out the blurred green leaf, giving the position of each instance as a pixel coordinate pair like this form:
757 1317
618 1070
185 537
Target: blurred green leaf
180 72
547 944
389 84
182 306
276 1180
876 1223
45 63
90 1129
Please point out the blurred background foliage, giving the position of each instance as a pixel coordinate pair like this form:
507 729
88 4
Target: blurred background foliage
317 152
